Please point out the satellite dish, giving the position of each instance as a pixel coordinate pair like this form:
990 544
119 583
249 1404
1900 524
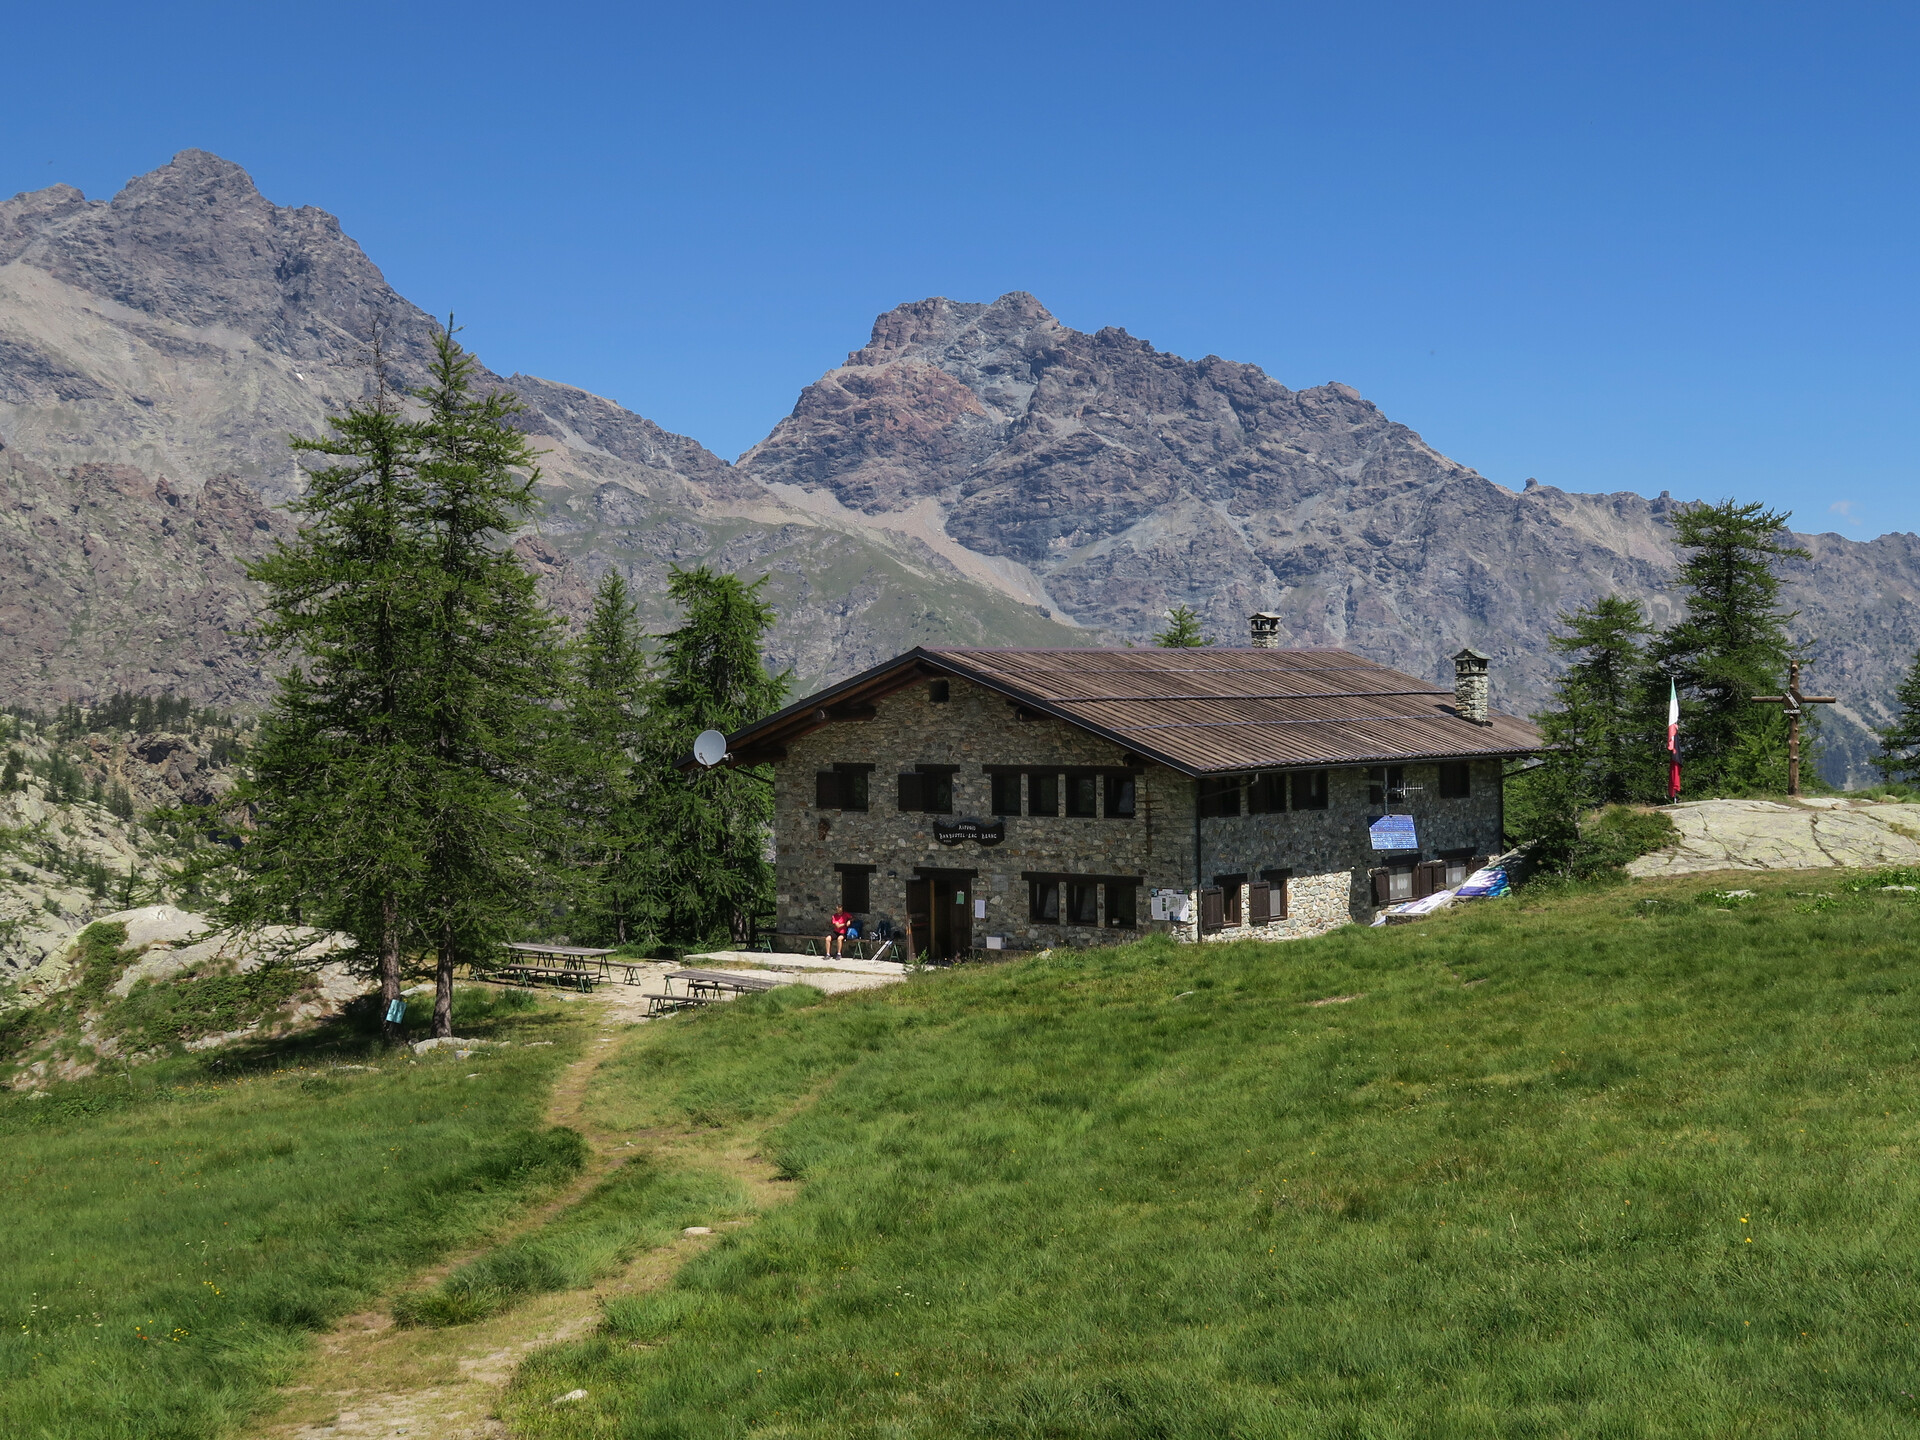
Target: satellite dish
710 748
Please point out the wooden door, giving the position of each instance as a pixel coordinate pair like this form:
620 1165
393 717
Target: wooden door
919 918
960 908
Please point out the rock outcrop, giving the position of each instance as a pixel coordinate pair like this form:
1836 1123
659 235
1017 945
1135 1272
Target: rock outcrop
1816 834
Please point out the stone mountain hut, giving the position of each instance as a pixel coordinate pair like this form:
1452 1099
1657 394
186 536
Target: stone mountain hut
1012 799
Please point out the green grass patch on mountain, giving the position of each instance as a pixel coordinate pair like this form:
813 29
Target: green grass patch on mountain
176 1233
640 1205
1630 1160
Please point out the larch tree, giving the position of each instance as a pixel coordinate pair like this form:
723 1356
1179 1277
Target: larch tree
705 834
333 784
1899 759
1183 631
1731 645
608 710
489 725
1594 735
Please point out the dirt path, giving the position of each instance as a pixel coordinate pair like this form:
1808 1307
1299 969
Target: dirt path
371 1378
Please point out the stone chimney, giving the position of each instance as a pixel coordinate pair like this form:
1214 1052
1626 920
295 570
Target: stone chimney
1265 628
1470 686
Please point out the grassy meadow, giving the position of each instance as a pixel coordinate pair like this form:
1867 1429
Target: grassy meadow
1636 1160
173 1236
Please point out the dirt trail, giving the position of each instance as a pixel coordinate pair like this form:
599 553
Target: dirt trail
370 1378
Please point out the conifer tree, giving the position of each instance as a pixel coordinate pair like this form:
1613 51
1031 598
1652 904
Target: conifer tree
1182 632
704 833
1594 736
334 784
488 725
607 706
1731 645
1899 757
1596 730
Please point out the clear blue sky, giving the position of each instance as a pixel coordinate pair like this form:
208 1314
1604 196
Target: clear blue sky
1646 247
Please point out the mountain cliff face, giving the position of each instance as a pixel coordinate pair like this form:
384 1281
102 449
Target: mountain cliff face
977 474
157 350
1116 481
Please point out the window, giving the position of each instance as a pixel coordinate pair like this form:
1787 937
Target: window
1392 883
1310 790
844 787
928 790
1460 864
1278 882
1122 903
1044 902
939 692
1083 794
1083 902
1456 780
1387 785
1043 792
1230 897
1220 798
1006 792
1266 794
856 888
1120 798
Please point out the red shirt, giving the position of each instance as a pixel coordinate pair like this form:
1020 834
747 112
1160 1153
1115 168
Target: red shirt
840 920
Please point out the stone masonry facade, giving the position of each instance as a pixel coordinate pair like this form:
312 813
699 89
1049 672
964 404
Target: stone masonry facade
975 731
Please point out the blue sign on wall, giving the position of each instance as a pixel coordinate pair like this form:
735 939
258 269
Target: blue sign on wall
1393 832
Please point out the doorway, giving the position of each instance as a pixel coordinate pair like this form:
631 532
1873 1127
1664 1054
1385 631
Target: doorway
940 910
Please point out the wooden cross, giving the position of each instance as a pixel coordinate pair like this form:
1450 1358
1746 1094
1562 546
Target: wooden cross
1793 700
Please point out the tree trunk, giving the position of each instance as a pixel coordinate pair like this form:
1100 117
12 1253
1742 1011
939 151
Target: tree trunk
392 1031
443 987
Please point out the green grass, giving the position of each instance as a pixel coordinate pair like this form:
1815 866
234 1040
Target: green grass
175 1234
640 1205
1580 1166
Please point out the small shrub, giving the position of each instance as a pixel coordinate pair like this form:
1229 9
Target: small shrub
1617 835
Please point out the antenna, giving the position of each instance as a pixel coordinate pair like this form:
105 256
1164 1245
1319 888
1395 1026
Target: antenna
710 748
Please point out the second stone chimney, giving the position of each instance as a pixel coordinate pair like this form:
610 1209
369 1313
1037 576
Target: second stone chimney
1470 686
1265 629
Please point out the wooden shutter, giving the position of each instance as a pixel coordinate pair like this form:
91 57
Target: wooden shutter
1381 880
1212 909
1258 912
913 794
1429 877
826 790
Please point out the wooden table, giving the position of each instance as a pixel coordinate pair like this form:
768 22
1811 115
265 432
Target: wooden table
573 957
706 987
561 975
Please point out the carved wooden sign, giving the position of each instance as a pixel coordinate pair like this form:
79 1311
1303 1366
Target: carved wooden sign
970 827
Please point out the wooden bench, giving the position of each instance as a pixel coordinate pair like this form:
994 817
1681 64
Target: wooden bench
562 976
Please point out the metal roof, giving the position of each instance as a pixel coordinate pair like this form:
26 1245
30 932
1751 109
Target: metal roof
1204 711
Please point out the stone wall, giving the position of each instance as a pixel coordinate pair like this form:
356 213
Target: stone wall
1327 850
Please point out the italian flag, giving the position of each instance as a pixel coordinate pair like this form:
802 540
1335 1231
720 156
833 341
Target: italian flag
1673 740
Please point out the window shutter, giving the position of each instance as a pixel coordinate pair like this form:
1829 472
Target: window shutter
912 793
1381 880
1281 886
826 790
1212 909
1258 912
1429 877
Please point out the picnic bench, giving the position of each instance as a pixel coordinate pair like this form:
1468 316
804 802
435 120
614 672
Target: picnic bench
562 975
704 987
574 967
